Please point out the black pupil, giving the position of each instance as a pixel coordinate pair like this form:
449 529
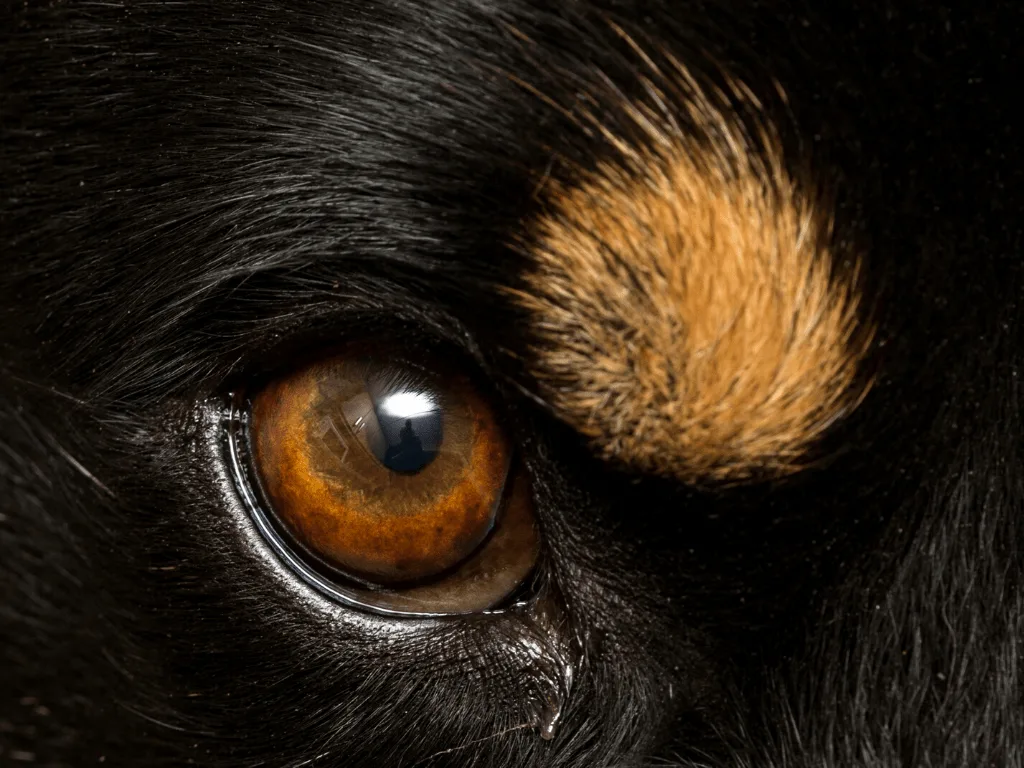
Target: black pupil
411 423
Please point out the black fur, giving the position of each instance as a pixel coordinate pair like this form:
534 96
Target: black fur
193 193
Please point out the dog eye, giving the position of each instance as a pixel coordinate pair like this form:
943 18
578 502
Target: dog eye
392 484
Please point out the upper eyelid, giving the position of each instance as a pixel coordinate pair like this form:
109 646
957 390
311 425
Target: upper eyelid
239 327
278 346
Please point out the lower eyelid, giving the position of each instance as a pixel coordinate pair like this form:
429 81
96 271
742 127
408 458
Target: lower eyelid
222 425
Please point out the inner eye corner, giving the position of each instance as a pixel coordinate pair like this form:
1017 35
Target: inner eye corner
340 511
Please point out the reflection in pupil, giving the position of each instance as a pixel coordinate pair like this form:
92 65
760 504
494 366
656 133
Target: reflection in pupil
411 427
408 455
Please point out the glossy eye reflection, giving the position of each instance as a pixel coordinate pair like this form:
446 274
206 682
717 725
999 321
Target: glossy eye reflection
406 428
395 483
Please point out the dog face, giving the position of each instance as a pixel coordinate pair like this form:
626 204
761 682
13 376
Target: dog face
525 384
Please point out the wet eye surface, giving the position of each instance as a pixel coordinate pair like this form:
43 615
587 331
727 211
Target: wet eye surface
392 483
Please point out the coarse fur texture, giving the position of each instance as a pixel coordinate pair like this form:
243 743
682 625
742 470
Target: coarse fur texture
200 195
687 314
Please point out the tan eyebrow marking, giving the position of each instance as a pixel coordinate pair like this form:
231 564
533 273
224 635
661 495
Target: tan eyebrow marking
689 316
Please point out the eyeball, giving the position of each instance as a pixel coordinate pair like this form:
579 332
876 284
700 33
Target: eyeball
392 483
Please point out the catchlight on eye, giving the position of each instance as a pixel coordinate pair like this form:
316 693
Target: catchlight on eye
390 485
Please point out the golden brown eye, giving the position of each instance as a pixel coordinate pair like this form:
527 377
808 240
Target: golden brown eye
398 480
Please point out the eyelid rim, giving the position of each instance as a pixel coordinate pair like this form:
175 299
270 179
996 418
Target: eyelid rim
286 347
234 430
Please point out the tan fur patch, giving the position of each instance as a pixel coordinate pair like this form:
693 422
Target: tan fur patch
689 318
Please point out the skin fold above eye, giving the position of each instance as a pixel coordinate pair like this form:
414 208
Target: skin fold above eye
396 481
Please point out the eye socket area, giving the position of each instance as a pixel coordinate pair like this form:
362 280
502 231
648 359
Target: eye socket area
391 484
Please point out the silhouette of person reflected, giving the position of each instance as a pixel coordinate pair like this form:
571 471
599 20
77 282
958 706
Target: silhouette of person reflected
408 454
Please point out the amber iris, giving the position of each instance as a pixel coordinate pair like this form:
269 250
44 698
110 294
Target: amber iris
392 475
